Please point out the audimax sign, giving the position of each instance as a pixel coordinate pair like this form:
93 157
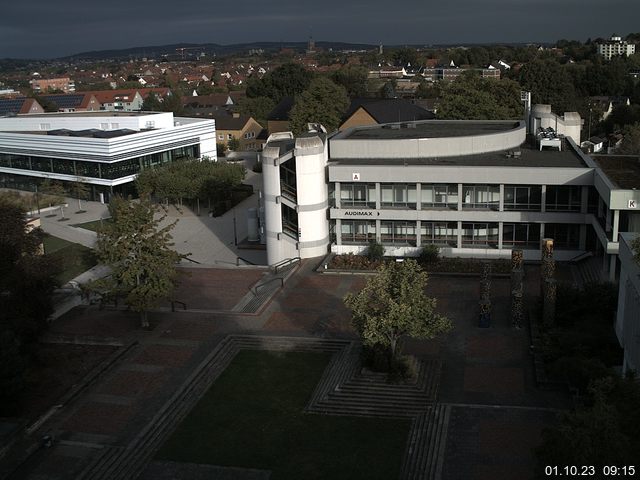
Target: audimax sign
361 213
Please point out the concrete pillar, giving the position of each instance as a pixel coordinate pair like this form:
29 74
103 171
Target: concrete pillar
418 196
378 233
616 225
459 197
501 207
336 193
543 200
500 224
418 235
378 199
612 268
459 233
338 231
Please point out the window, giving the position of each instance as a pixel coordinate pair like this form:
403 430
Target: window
439 233
522 197
479 235
564 198
220 137
398 195
398 232
440 196
229 136
357 231
565 236
521 235
289 221
288 185
481 196
358 195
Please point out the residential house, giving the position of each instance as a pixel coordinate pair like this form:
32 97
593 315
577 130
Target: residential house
240 127
74 102
278 118
20 105
376 111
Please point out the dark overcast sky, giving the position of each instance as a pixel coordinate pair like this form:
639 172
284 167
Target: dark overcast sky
44 29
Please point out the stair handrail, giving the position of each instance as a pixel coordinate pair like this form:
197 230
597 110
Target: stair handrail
254 290
284 263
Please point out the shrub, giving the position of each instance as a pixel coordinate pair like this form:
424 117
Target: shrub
353 262
429 254
375 251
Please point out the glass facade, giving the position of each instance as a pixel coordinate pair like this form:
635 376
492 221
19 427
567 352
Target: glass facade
358 195
289 221
563 198
439 196
521 235
398 232
439 233
481 196
288 185
358 231
523 197
105 170
398 195
480 235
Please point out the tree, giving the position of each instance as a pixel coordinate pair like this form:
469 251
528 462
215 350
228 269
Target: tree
55 190
27 278
258 108
549 83
287 80
323 102
404 56
233 144
603 432
631 143
393 304
80 190
353 78
139 253
152 103
470 97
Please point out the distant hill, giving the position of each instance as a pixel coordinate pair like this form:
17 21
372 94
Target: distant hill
209 49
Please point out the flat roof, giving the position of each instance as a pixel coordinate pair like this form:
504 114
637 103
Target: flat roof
428 129
622 170
529 157
98 113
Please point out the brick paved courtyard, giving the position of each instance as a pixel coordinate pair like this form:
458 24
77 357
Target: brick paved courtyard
482 368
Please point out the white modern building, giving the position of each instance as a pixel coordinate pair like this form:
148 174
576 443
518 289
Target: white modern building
473 188
104 149
615 46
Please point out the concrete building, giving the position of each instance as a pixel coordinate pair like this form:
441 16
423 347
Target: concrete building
628 318
43 85
103 149
473 188
615 46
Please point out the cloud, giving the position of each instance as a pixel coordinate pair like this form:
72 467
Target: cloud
70 26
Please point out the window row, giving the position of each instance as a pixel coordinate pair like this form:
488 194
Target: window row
472 235
563 198
105 170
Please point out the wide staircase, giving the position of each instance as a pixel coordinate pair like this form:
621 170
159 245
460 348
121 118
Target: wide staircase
260 294
343 390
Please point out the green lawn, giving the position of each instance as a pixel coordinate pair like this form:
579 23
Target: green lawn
252 417
93 226
74 258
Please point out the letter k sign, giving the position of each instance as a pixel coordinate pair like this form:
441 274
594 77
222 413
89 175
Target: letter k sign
632 204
